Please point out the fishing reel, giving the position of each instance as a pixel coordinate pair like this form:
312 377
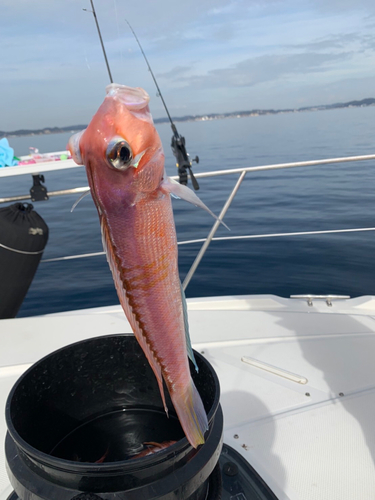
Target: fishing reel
183 161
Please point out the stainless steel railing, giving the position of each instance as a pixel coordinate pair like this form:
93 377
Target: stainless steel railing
210 237
243 172
216 173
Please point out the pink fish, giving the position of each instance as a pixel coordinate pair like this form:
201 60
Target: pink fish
124 162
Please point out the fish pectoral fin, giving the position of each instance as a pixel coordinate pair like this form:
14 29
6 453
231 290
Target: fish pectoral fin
180 191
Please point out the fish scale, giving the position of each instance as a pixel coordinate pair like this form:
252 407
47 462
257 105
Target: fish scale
164 315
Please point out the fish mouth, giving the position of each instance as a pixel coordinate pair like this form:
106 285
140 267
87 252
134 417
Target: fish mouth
134 98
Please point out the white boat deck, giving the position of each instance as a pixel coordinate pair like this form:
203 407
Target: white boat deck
297 383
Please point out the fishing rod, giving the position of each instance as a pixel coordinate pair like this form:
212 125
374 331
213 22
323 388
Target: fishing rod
100 38
183 162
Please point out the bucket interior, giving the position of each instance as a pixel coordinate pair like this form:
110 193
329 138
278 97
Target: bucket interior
98 401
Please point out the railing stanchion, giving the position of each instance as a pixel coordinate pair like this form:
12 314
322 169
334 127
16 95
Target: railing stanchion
215 227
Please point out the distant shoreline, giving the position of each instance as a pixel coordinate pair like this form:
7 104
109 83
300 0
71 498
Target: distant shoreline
369 101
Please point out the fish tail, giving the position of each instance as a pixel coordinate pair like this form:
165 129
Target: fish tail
191 414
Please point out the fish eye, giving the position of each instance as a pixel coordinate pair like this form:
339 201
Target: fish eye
119 154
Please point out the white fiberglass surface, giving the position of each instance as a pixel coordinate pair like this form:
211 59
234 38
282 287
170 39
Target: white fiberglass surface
28 339
310 437
8 377
38 168
311 440
325 452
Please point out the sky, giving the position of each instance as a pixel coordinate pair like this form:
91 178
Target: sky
209 56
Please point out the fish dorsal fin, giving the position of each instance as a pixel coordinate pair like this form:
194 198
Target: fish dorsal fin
125 303
187 334
180 191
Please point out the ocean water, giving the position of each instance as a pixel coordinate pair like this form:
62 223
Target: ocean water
299 199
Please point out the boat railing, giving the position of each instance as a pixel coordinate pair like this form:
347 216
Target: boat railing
242 171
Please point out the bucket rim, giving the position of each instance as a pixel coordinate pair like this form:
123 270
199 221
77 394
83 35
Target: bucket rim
88 467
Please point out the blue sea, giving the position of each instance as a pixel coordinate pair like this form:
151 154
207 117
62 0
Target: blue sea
299 199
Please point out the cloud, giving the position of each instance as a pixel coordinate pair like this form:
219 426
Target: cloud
353 41
328 43
205 52
224 9
175 71
265 68
345 5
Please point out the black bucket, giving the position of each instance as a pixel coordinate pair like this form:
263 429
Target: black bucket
78 418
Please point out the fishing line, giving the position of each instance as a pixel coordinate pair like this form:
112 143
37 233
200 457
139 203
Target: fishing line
100 38
153 77
118 32
79 199
183 162
87 61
